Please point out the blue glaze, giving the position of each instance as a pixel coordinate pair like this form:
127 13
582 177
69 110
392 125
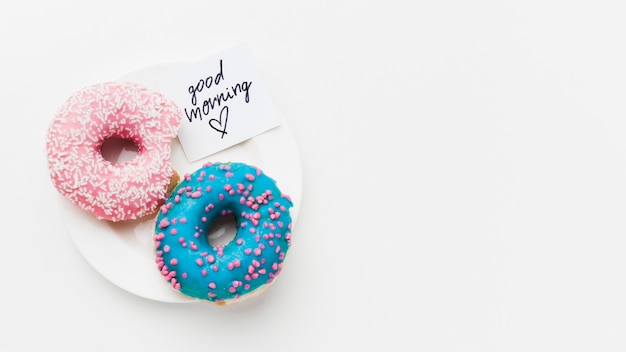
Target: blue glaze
251 260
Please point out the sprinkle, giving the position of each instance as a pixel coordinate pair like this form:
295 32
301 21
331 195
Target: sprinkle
164 223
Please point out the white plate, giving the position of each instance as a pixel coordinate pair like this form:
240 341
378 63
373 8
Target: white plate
123 252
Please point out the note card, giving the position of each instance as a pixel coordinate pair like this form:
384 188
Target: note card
223 102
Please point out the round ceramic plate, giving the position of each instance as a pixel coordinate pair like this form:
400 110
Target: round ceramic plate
124 253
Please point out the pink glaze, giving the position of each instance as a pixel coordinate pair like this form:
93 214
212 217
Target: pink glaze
77 168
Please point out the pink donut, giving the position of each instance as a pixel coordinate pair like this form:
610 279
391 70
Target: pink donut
88 118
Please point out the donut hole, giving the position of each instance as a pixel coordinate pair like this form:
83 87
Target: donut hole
118 150
222 230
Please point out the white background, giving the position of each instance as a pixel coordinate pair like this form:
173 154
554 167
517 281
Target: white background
464 174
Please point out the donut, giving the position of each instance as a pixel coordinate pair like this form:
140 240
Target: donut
242 268
107 190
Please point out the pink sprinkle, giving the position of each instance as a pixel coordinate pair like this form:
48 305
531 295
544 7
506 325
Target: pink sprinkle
257 252
210 259
212 285
199 262
164 223
173 261
228 187
250 177
196 194
166 248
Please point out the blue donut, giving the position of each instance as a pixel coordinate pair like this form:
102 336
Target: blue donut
226 273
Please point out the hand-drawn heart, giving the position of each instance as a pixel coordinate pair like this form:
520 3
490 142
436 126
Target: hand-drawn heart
221 123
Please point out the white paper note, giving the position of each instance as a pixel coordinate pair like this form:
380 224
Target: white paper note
223 102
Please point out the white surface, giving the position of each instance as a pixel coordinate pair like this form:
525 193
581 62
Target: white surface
124 252
463 174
